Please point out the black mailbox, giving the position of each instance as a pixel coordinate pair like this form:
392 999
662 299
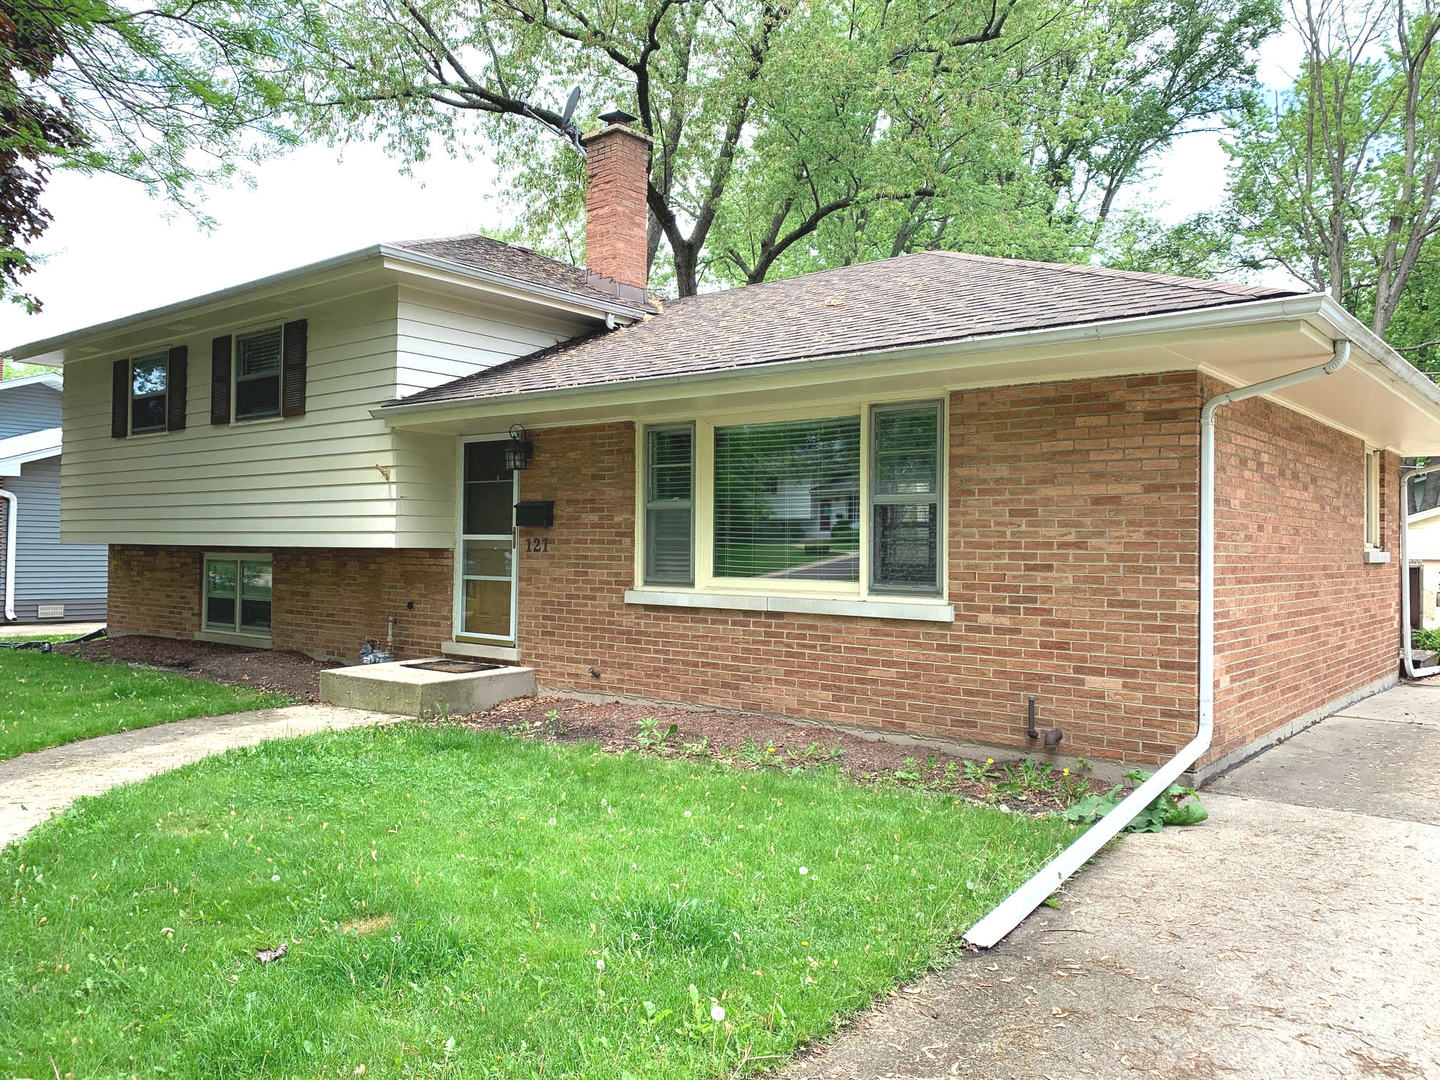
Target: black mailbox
535 514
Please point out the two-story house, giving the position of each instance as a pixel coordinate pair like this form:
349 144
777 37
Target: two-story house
1033 486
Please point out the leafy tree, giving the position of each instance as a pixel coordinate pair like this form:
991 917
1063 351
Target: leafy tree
1336 182
162 94
789 136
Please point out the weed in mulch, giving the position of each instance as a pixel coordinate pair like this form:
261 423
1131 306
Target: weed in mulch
752 741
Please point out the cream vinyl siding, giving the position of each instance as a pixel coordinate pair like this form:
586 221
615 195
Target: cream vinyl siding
440 337
313 481
304 481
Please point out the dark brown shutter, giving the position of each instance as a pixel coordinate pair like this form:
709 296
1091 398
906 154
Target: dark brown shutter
178 379
292 377
120 399
220 380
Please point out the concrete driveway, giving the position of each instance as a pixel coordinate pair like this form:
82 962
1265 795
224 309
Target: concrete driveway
1294 934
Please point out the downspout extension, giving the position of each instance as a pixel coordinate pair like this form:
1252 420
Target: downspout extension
1407 646
12 513
1018 905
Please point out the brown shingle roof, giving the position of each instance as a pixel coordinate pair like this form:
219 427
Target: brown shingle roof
925 298
522 264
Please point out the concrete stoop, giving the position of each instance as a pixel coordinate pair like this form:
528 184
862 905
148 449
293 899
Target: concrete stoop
407 689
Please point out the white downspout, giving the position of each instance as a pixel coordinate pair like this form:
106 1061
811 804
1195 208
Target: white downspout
1407 646
11 515
1019 904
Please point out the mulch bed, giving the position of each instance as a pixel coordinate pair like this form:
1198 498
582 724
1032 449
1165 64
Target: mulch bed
289 673
748 740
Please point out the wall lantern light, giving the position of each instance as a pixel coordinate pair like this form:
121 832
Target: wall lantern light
519 450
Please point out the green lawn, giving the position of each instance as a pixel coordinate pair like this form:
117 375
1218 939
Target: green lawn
469 904
49 699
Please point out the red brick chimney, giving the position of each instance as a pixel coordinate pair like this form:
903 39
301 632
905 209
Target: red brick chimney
617 166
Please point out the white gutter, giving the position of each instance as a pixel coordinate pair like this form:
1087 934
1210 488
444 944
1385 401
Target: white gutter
285 280
1019 904
1407 647
10 518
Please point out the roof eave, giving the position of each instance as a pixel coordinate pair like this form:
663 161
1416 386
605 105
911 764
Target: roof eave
1295 308
381 254
49 379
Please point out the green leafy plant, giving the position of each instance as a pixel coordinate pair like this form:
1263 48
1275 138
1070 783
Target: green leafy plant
1169 808
909 772
1425 639
699 748
1029 779
651 736
979 771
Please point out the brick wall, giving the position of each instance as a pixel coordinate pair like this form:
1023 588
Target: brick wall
1300 620
1072 547
1073 558
326 601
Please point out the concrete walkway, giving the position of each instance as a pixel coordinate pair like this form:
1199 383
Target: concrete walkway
49 629
34 786
1296 934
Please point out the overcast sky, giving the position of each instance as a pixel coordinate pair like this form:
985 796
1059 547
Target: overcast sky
113 251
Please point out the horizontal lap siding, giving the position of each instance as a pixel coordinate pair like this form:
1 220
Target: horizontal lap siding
1301 621
441 338
48 572
1072 569
310 480
28 408
326 601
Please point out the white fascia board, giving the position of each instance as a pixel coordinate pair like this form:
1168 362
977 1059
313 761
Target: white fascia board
404 258
378 257
941 355
19 450
52 379
286 279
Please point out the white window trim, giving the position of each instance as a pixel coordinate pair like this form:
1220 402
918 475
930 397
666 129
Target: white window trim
846 598
164 357
279 414
236 636
1373 537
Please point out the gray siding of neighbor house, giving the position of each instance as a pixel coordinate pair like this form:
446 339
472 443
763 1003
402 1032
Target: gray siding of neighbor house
28 408
47 571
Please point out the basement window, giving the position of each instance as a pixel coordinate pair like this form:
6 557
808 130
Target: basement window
238 594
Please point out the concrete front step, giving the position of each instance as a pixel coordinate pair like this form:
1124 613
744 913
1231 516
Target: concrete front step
402 687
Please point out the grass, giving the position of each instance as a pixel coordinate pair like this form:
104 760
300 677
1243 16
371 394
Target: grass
468 904
50 699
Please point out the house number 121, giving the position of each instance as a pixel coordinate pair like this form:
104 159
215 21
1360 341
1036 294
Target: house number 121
537 543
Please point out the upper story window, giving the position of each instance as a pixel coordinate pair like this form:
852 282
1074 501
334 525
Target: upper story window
257 374
149 393
847 505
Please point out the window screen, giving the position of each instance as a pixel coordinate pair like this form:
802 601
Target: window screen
257 375
787 500
669 505
905 498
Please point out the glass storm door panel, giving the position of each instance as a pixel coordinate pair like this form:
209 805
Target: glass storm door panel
487 544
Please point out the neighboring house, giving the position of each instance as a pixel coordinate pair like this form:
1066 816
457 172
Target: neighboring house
40 577
1424 556
333 454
